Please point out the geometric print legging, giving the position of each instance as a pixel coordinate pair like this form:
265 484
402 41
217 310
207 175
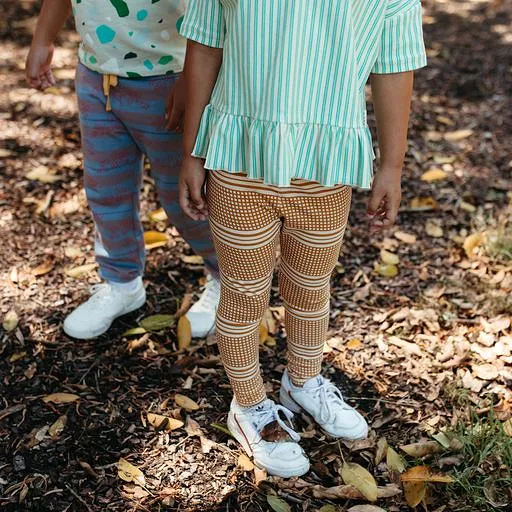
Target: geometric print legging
248 218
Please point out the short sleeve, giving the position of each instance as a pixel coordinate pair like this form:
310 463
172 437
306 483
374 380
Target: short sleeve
204 23
402 47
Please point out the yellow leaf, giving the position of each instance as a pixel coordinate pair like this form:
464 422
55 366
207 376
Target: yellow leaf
414 492
354 344
194 259
73 252
245 463
423 203
17 356
164 422
57 428
269 322
457 135
61 398
405 237
385 270
270 342
382 448
10 321
184 333
433 229
260 475
42 174
471 243
389 258
134 331
186 403
424 474
81 270
467 207
434 175
394 462
355 475
421 449
158 215
154 239
263 334
130 473
43 269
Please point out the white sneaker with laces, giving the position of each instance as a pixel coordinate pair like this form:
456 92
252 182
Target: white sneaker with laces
322 400
279 458
202 314
107 302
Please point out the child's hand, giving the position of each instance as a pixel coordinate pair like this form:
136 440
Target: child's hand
176 107
38 67
385 199
191 188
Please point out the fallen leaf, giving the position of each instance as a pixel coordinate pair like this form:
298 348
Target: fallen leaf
222 428
355 475
354 344
154 239
245 463
442 439
184 307
73 252
42 174
394 462
207 444
156 323
81 270
69 161
423 203
507 427
66 207
365 508
382 448
485 371
184 333
277 504
164 422
260 475
43 268
385 270
414 492
5 153
88 469
434 175
17 356
471 242
424 474
467 207
270 322
457 135
193 259
421 449
263 333
185 403
58 427
330 508
351 493
60 398
389 258
192 428
158 215
407 238
10 321
134 331
130 473
433 229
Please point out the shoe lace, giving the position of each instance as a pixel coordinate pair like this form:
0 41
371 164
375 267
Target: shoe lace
210 297
268 412
328 396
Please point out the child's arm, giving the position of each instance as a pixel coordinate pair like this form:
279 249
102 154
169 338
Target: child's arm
52 17
202 65
392 103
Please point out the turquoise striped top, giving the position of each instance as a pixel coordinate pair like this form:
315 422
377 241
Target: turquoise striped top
289 101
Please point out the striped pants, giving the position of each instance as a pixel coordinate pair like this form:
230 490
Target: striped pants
247 220
114 143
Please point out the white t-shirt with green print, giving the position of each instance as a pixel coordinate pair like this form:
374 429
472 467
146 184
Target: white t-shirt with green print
131 38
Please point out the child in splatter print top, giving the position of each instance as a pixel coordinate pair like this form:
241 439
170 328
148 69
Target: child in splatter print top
131 104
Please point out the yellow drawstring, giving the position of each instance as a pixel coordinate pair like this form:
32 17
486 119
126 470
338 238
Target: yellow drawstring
108 82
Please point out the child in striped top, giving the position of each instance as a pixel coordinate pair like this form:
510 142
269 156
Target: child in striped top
276 112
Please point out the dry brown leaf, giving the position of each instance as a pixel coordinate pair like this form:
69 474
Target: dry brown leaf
245 463
485 371
185 402
350 492
457 135
433 229
164 422
184 307
421 449
471 242
207 444
357 476
73 252
407 238
434 175
507 427
423 203
354 344
158 215
130 473
88 469
260 475
365 508
43 268
382 448
394 462
414 492
10 321
192 428
154 239
270 322
184 333
60 398
263 333
58 427
42 174
193 259
424 474
81 270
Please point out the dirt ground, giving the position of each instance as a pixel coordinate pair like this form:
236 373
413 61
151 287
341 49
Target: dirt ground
421 352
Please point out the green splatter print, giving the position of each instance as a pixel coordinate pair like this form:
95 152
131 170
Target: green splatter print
121 7
132 74
142 15
179 23
93 59
165 60
148 64
105 34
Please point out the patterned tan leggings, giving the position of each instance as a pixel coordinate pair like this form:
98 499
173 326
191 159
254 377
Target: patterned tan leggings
247 220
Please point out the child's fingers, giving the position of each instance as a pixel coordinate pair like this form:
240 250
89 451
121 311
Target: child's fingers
50 78
375 205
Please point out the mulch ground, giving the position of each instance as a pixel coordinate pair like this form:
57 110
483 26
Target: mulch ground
403 347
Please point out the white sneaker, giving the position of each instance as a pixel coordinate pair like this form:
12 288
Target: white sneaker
322 400
279 458
202 314
108 301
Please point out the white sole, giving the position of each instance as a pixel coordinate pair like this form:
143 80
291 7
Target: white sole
90 334
287 400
